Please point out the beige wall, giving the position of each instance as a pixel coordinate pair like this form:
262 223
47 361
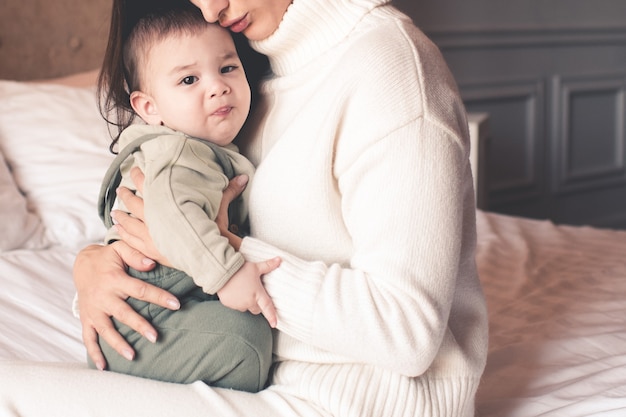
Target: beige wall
51 38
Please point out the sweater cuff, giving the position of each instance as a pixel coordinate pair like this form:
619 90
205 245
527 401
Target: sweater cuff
293 287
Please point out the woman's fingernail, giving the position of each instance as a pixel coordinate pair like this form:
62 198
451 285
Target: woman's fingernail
128 354
173 304
147 261
242 179
151 336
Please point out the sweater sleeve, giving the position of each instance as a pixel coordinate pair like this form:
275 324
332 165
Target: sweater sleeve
390 306
182 192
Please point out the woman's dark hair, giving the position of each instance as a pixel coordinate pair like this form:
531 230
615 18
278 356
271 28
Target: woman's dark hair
114 79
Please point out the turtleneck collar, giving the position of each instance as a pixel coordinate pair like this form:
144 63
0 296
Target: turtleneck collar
309 28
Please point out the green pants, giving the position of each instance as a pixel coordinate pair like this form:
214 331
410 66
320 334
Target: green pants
204 340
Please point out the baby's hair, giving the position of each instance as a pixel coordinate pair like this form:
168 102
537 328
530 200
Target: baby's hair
152 28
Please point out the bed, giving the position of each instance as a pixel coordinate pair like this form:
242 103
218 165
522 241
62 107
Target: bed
556 294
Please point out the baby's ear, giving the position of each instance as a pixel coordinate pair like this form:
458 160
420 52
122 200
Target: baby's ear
145 107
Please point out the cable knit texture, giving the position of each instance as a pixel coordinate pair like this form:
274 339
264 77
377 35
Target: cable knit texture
363 187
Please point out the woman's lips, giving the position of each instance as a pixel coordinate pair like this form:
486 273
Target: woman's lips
237 25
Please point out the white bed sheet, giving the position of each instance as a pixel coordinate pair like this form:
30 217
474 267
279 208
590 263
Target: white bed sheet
556 296
36 322
557 312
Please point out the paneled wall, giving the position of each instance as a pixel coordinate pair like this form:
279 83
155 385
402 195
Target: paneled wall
552 76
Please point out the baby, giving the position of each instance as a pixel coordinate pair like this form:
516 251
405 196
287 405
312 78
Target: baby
188 85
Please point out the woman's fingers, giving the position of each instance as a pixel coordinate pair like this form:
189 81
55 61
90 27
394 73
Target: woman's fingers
269 265
141 290
137 176
137 288
120 310
131 256
133 230
136 235
103 287
263 299
103 329
235 187
267 308
133 203
100 279
90 340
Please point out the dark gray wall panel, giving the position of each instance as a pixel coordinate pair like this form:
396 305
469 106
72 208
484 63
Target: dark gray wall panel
552 76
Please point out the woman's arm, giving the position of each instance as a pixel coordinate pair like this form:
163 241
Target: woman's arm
411 240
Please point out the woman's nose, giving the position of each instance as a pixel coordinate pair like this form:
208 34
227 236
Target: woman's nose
210 9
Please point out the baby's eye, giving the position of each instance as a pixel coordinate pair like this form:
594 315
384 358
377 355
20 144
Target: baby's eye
189 80
228 68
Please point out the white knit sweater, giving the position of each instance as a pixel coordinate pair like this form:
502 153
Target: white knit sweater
363 187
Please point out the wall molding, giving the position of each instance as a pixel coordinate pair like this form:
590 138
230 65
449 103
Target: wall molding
597 89
508 101
486 38
552 77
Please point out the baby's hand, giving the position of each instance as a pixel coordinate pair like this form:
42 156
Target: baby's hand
245 292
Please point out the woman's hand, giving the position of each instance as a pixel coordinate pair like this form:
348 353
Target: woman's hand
234 189
103 287
132 229
134 232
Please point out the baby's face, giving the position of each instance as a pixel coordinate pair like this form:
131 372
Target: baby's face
198 84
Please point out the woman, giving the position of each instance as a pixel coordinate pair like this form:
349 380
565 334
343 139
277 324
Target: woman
363 189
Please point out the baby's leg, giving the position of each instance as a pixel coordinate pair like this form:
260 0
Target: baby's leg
203 341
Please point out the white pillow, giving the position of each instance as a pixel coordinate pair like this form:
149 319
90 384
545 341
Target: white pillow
56 143
20 228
